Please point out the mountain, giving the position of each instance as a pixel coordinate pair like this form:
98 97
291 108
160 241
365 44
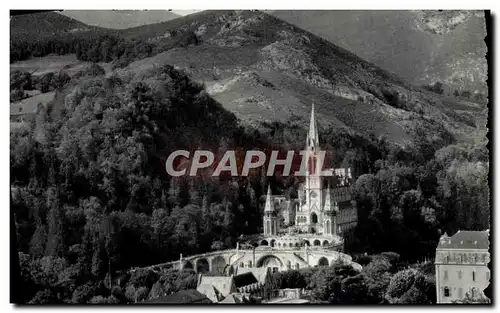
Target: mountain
264 69
120 19
420 46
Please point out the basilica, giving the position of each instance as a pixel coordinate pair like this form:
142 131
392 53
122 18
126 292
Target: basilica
324 205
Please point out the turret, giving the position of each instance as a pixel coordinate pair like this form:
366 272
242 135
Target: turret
328 202
329 216
270 218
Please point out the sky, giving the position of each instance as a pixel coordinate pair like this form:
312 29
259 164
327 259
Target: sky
185 12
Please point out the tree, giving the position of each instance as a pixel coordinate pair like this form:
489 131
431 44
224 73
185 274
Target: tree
38 240
409 287
217 245
55 220
45 296
377 277
354 290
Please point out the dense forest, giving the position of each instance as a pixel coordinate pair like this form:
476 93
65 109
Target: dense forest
96 46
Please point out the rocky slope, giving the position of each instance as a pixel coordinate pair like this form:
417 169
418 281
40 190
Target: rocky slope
265 69
420 46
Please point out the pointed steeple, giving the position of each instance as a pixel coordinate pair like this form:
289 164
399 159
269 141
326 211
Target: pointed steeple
312 136
269 201
328 199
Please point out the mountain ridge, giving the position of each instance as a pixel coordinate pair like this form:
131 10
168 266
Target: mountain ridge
262 68
243 54
420 46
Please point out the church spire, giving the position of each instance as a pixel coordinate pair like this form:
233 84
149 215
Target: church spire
312 136
269 201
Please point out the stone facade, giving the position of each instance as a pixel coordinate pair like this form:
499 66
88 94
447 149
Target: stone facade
462 265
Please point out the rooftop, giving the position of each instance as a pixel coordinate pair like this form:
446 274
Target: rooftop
215 286
260 273
465 239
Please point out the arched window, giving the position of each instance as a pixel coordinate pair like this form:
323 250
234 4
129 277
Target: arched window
289 264
473 292
314 218
297 266
328 227
290 245
242 264
446 292
249 263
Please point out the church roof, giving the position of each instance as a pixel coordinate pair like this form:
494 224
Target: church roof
465 240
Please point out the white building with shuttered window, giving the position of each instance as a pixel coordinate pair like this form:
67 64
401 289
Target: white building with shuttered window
462 265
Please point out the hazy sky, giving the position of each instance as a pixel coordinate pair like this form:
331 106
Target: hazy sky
185 12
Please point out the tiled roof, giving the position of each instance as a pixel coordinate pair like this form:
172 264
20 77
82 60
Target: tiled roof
244 279
210 292
183 296
465 240
222 284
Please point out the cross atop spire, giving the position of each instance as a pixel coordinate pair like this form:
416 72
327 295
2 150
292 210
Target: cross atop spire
312 136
